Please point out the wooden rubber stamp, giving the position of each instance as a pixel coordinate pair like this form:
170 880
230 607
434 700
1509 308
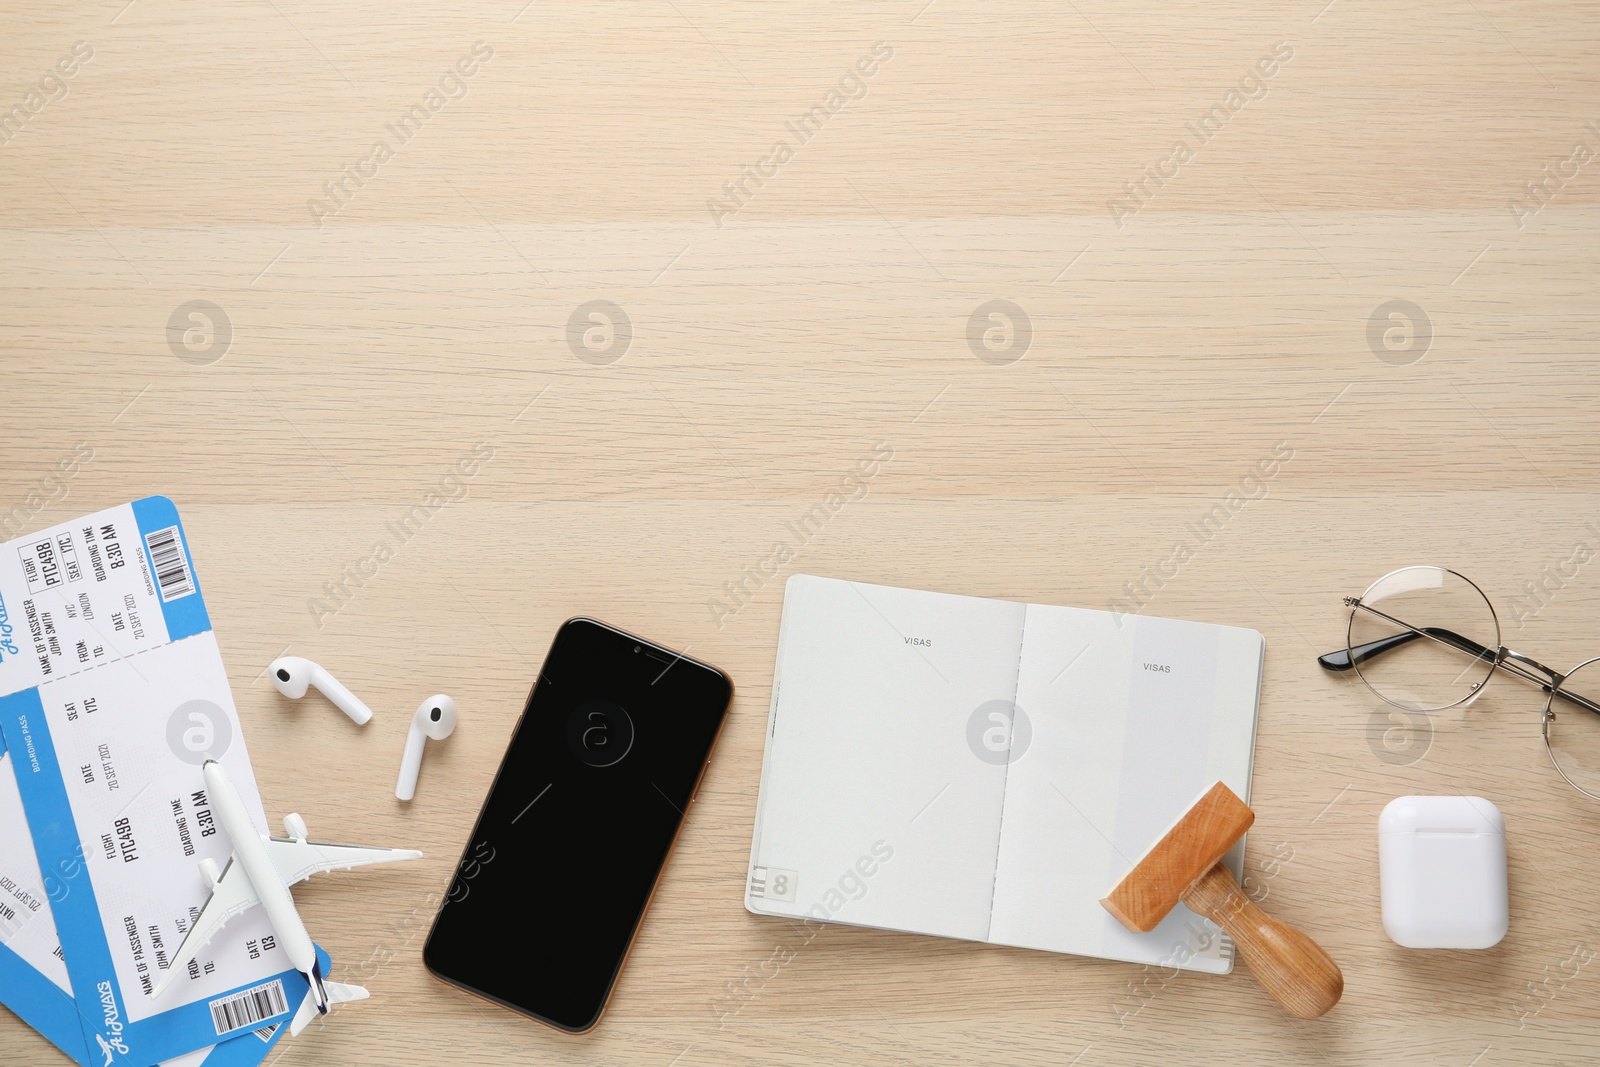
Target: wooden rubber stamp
1185 866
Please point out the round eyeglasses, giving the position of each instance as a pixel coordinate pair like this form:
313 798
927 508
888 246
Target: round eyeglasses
1426 639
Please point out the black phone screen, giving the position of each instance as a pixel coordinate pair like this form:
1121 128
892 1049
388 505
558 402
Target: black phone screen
578 823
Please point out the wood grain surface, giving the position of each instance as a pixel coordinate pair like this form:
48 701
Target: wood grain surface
1291 295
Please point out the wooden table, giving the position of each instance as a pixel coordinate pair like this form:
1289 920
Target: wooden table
980 245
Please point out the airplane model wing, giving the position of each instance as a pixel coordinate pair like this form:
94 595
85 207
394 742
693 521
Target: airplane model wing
231 894
298 859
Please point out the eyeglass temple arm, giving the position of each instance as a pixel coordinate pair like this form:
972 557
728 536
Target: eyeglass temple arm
1340 659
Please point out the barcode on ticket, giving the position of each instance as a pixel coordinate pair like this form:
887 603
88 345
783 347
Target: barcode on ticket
172 565
248 1008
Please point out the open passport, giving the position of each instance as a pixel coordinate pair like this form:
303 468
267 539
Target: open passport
988 770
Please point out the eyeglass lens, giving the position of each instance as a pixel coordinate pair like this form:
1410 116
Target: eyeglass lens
1573 733
1445 665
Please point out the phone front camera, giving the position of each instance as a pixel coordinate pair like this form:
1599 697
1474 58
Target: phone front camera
636 648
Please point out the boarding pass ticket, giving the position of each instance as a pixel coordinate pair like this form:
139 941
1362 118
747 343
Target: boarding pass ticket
112 696
33 973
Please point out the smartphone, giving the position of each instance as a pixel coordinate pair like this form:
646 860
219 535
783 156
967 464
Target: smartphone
591 794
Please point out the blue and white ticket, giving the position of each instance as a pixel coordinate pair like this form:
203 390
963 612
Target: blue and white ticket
33 972
112 696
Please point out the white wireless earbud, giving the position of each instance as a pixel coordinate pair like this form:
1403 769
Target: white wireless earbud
293 675
436 718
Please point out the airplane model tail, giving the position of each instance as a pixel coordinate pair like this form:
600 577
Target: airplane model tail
331 993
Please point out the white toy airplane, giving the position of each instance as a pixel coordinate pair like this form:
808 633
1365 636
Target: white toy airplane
260 872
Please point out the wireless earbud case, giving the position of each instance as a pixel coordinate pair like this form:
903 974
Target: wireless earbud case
1442 868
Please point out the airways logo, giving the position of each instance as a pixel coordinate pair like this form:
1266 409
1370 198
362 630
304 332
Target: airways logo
6 644
113 1026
